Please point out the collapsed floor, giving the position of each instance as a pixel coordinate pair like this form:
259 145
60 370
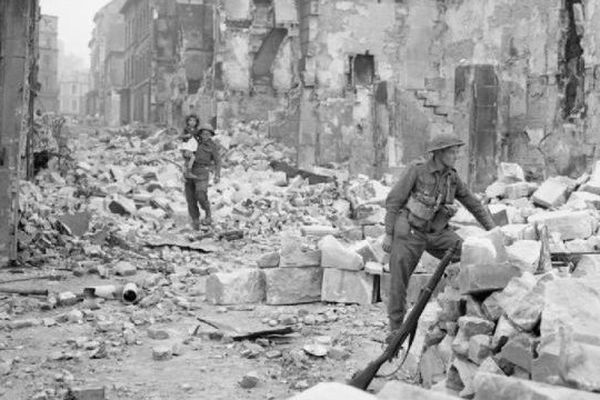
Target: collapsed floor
111 282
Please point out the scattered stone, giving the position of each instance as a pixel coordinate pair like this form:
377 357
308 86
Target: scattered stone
122 206
397 390
332 390
552 193
162 353
338 353
518 190
291 255
315 349
239 287
479 348
293 285
67 299
157 334
460 376
272 354
344 286
335 255
497 387
504 331
568 224
269 260
432 367
23 323
87 393
490 366
319 230
525 254
75 316
491 307
125 268
250 380
518 350
510 172
588 265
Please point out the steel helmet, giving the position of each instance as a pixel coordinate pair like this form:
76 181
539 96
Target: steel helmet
208 128
444 141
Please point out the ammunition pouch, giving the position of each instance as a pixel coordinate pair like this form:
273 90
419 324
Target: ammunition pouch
443 215
419 209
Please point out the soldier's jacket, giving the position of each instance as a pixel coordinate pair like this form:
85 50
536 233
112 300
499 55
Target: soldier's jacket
430 181
207 155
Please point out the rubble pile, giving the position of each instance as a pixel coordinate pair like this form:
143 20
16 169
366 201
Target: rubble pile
508 313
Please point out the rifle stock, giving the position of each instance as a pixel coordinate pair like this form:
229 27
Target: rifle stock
362 379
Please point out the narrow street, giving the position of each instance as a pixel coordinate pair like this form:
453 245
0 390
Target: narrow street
67 339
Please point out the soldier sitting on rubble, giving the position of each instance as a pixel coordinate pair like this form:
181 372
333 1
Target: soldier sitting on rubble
419 207
202 154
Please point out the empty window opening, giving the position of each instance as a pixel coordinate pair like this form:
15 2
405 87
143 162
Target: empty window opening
362 69
193 86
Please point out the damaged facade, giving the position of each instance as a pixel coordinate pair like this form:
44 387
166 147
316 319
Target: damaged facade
47 97
18 52
107 64
368 83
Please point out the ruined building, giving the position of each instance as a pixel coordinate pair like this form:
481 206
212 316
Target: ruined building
47 97
369 82
107 64
18 40
73 90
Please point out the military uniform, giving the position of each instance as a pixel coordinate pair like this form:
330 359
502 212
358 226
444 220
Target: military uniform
206 157
419 207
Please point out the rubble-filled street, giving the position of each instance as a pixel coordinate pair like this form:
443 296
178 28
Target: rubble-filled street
120 295
299 199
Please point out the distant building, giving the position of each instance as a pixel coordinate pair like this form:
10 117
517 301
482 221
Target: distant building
47 98
106 64
73 90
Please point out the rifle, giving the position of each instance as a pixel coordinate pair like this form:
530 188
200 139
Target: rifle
363 378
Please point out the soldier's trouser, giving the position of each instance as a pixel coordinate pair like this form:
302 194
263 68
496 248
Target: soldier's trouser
407 247
196 192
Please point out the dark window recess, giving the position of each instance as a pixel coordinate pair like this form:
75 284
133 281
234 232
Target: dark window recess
362 69
193 86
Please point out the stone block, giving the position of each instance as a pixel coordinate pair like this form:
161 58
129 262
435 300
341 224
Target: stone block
335 255
122 205
504 331
293 285
552 193
546 366
333 390
569 224
474 279
374 268
397 390
239 287
344 286
518 350
87 393
517 190
294 258
510 172
468 327
519 232
269 260
496 190
472 307
449 301
486 249
432 367
460 376
125 268
480 347
580 364
497 387
373 231
525 254
490 366
364 249
588 265
491 307
582 200
319 230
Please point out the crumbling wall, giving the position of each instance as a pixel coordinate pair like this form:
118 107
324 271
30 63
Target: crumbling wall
591 54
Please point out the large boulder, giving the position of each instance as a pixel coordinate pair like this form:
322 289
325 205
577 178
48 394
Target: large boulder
552 193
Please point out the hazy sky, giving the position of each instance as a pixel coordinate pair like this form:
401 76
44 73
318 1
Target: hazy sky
75 23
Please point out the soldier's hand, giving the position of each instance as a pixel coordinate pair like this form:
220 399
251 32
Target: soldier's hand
387 243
